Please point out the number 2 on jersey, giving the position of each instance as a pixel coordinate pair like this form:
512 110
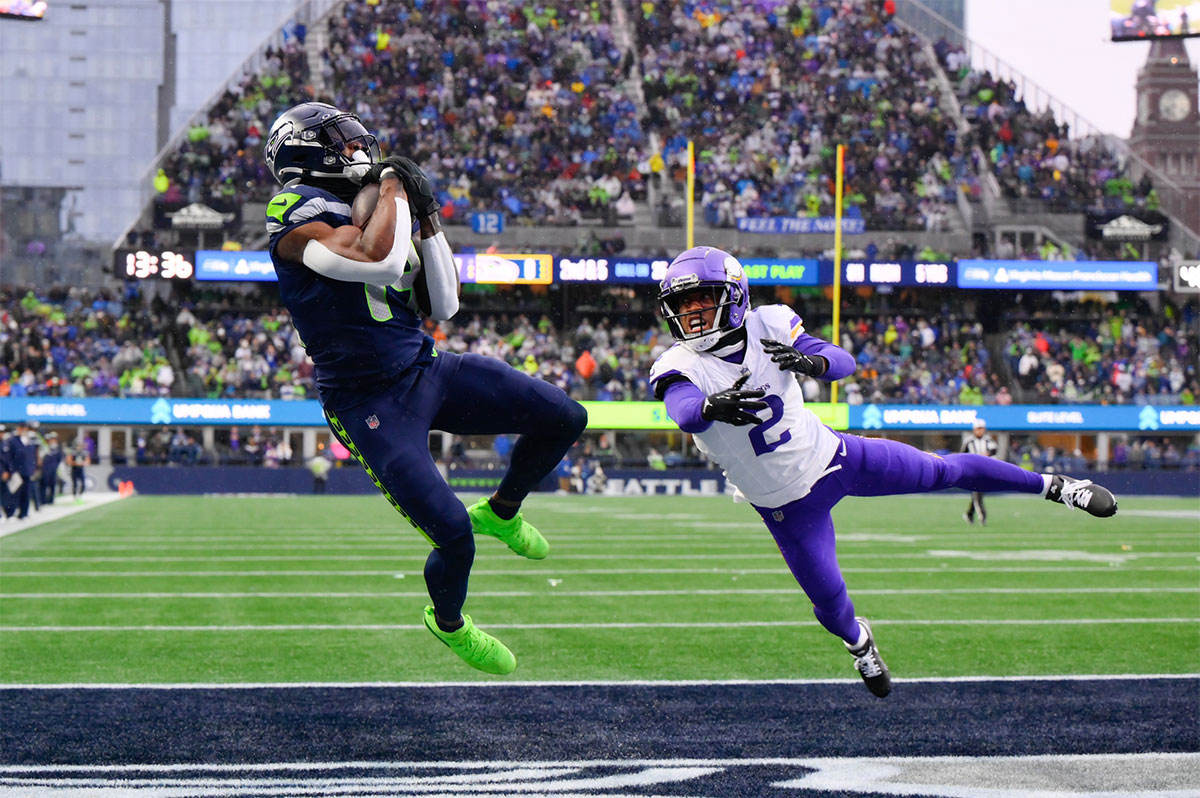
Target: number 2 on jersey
758 434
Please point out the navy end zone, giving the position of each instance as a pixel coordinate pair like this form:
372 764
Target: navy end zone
822 739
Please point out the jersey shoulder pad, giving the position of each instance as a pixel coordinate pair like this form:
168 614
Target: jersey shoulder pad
299 204
676 362
783 323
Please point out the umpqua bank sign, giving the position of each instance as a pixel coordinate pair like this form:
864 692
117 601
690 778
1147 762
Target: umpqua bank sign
1129 418
161 411
164 411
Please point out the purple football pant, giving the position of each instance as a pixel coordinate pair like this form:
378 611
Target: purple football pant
803 529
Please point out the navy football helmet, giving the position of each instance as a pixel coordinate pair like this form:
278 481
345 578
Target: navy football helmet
309 143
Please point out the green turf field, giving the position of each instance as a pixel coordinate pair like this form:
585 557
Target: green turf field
329 589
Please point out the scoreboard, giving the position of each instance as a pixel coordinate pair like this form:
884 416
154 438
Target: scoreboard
898 272
153 264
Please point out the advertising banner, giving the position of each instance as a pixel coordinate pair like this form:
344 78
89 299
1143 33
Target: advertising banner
1126 418
1059 275
791 225
245 266
617 270
509 269
653 415
149 412
774 271
528 268
304 413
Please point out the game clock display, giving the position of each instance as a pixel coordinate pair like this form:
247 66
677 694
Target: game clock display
150 264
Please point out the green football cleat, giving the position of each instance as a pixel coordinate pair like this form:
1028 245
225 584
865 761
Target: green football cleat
474 646
516 533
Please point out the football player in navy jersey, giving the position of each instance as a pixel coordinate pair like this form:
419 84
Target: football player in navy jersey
381 382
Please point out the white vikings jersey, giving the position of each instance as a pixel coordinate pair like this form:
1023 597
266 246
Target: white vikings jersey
775 462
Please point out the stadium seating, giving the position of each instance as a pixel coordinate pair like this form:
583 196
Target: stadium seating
220 162
82 344
540 117
535 119
1086 355
741 79
216 345
531 117
1031 154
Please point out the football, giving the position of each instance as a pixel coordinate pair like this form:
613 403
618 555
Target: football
364 204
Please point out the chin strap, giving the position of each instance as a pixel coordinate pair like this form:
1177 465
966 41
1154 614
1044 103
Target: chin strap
732 341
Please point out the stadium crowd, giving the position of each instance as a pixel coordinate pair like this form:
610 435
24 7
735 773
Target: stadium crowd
741 78
75 344
517 106
1031 154
533 109
220 161
1108 357
68 343
1129 453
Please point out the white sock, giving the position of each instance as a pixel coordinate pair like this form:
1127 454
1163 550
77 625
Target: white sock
862 638
1046 480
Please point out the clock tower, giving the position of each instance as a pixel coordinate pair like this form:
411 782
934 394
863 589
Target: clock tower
1166 133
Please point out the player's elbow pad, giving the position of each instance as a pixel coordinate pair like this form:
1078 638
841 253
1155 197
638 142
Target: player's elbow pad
322 260
441 275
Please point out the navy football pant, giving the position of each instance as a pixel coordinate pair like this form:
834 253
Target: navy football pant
804 532
464 395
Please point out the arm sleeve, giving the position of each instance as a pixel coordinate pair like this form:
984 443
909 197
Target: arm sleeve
441 275
324 261
841 363
684 400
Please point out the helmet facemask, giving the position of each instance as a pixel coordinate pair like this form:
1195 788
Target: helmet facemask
683 326
336 136
332 151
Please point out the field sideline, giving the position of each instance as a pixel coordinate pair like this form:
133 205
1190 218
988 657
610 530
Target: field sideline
329 590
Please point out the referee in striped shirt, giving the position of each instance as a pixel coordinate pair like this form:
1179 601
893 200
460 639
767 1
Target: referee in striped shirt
979 443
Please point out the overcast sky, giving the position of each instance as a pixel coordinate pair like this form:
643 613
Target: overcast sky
1065 46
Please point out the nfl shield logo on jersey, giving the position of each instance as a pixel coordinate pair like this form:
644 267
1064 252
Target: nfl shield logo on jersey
373 421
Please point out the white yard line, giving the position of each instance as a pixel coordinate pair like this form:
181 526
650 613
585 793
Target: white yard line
923 555
1103 677
555 593
62 508
391 627
543 572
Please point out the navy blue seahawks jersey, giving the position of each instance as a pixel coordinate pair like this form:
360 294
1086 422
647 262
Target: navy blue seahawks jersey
360 337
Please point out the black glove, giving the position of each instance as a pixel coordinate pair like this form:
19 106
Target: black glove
788 359
416 185
733 405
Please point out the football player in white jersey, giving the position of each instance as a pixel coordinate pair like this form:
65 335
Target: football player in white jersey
730 380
